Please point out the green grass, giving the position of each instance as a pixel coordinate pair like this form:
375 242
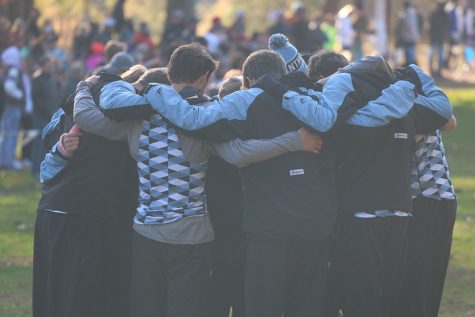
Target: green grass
19 195
459 293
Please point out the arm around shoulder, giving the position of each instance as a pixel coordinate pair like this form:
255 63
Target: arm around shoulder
90 119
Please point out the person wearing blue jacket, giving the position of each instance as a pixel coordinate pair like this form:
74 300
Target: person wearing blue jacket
81 261
82 245
374 166
434 210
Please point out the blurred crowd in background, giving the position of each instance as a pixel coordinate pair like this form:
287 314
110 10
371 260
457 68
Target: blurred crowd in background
36 73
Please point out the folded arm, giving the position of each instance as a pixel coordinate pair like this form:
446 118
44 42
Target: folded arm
92 120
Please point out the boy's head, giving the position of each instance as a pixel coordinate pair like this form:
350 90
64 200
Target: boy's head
133 73
113 47
120 63
262 63
153 75
191 64
230 85
325 63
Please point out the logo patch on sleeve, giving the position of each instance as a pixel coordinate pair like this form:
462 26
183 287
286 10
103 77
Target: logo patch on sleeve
297 172
400 136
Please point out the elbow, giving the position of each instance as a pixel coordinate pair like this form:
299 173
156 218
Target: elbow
450 125
446 106
77 117
80 118
325 126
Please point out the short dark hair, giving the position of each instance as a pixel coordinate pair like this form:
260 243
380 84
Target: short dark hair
113 47
154 75
325 63
190 62
133 73
230 85
263 62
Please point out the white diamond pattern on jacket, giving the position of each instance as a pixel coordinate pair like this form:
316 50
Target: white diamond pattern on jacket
171 188
430 170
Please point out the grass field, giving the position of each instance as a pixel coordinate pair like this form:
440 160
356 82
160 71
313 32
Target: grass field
19 195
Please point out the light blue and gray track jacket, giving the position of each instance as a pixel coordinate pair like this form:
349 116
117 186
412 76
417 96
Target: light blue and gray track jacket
172 203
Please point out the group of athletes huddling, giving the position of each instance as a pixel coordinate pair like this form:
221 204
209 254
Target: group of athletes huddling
301 190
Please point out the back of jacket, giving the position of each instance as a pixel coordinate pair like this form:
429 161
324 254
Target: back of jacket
292 196
374 166
100 180
91 179
374 163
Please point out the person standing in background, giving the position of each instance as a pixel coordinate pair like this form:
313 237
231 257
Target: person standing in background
408 33
360 26
215 36
328 27
237 31
299 31
344 26
317 36
278 25
14 87
4 43
466 29
439 35
142 36
452 9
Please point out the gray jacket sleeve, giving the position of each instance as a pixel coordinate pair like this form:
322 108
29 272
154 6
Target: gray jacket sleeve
243 153
195 150
90 119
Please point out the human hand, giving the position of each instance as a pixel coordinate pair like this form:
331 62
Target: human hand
310 142
93 80
410 75
69 142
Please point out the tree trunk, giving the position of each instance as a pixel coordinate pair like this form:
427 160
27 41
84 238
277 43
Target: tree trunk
187 6
13 9
331 6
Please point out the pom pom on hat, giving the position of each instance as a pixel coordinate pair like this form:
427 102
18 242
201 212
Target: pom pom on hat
277 41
